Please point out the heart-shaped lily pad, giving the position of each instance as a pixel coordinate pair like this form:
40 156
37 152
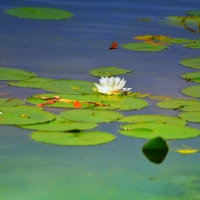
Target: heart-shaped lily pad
152 130
193 91
192 76
190 116
72 138
180 104
34 82
7 74
39 13
141 46
89 115
69 86
108 71
153 119
191 62
11 102
21 115
60 124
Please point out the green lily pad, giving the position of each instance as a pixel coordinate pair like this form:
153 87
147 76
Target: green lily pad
72 138
7 74
193 45
34 82
39 13
69 86
89 115
190 116
194 13
180 104
192 91
21 115
193 76
60 124
155 144
177 40
141 46
159 97
108 71
191 62
153 119
152 130
11 102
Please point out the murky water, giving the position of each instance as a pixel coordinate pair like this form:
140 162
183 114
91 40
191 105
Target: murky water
68 49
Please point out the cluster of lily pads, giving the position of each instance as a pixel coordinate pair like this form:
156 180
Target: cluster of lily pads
100 104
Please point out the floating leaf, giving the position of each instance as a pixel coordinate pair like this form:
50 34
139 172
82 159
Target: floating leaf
193 45
191 62
193 91
144 19
60 124
108 71
34 82
39 13
180 104
88 115
159 97
194 13
187 150
193 76
14 74
69 86
113 45
153 119
151 130
21 115
144 47
11 102
190 116
72 138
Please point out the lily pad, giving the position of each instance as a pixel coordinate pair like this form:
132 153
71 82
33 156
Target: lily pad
21 115
193 45
34 82
72 138
69 86
159 97
194 13
191 62
190 116
152 130
11 102
60 124
193 76
180 104
89 115
108 71
153 119
193 91
39 13
141 46
144 19
7 74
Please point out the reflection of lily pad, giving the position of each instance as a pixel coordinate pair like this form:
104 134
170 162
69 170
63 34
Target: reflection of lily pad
14 74
180 104
193 91
60 124
69 86
190 116
34 82
166 131
39 13
191 62
21 115
11 102
88 115
137 46
193 76
108 71
72 138
153 119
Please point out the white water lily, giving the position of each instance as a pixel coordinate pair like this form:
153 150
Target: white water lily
111 86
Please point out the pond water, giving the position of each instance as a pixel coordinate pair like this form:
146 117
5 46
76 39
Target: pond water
69 49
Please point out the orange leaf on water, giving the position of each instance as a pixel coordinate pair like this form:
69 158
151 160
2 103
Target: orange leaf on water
77 104
113 45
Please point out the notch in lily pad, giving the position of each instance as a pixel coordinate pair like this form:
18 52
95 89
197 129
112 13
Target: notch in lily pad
155 150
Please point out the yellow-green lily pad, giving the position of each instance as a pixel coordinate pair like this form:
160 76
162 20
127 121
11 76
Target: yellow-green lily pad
191 62
192 91
11 102
7 74
72 138
163 119
39 13
152 130
192 76
190 116
193 45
